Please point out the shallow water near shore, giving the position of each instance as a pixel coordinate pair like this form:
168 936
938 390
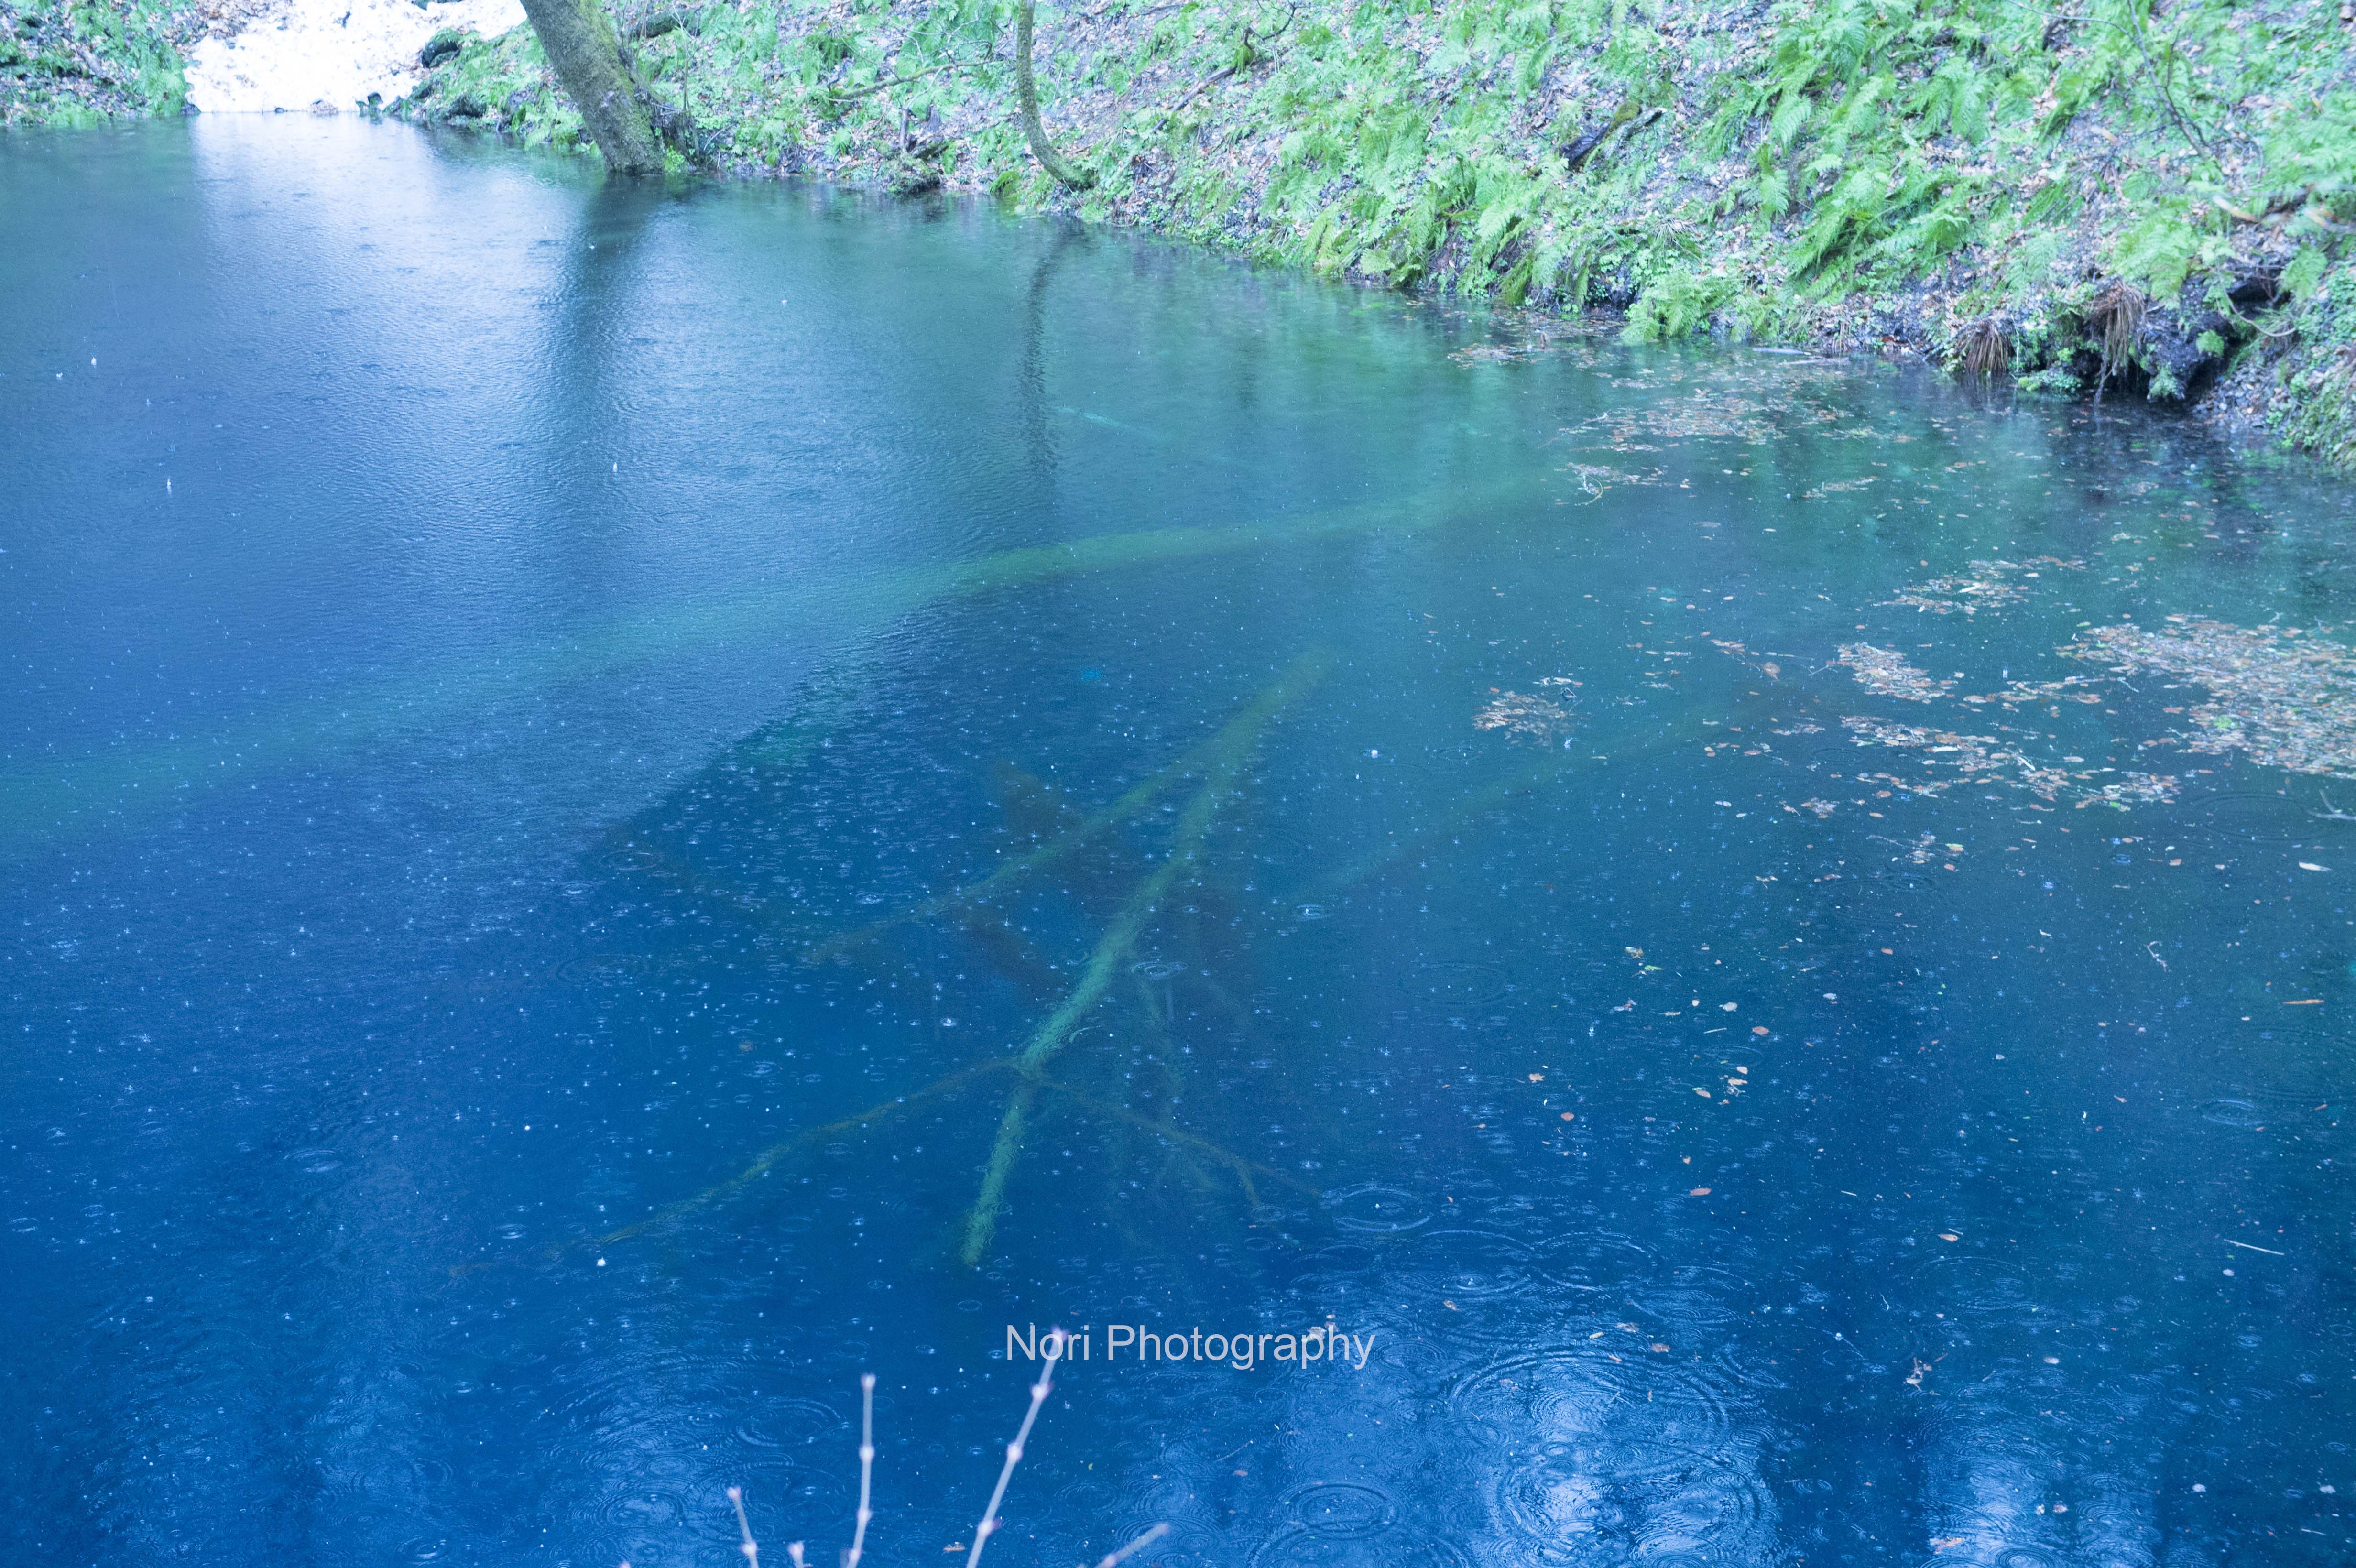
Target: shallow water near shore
618 807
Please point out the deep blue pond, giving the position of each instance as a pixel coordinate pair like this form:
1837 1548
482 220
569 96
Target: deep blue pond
616 808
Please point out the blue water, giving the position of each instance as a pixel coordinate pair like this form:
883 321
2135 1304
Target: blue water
512 686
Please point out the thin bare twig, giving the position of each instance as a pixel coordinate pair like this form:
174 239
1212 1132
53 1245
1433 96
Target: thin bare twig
1115 1559
2164 80
1201 86
749 1547
866 1467
1057 1341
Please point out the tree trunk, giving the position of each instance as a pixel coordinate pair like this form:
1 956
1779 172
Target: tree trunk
1027 90
579 39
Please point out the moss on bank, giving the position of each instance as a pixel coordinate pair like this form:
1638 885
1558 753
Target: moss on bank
83 62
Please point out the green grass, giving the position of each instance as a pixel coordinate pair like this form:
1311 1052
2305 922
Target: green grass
84 62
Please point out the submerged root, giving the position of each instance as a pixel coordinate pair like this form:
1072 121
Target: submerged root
1011 1131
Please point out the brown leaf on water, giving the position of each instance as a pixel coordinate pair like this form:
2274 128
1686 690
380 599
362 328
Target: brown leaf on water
2286 698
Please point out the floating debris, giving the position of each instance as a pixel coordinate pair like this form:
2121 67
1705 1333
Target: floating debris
1722 415
1837 486
2069 689
1532 718
1885 674
1531 347
1596 477
1985 760
1988 584
1821 808
1516 337
1766 663
2284 696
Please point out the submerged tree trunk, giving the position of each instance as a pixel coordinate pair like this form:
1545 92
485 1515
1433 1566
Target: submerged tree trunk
1027 90
579 39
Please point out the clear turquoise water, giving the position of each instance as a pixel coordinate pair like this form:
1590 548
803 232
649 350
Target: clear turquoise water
506 679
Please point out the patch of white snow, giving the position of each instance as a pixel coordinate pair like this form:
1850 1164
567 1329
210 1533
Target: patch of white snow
325 55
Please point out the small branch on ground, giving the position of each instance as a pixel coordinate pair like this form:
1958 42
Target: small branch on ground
841 94
1251 54
1578 152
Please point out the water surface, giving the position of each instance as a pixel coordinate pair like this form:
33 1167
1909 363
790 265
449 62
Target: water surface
617 806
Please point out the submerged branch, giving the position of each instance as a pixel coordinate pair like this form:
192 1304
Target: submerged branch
1225 756
1235 733
1113 948
1052 1035
769 1157
1243 1167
